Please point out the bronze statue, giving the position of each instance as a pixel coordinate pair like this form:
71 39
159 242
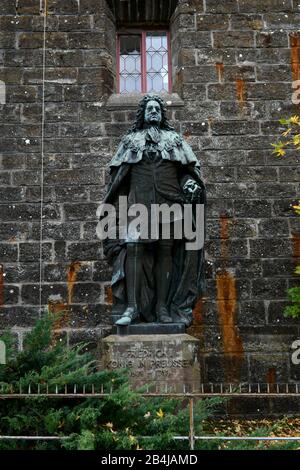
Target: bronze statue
155 279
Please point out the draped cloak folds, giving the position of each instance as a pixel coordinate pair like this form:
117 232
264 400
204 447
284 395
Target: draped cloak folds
187 278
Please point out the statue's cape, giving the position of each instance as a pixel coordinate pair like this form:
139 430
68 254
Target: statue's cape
171 145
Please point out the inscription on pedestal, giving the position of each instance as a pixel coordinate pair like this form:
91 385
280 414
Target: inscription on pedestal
152 359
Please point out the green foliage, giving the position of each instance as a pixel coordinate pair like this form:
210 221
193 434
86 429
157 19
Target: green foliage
114 421
290 137
290 140
294 296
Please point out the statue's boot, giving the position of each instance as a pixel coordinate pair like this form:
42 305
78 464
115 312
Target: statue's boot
163 270
130 314
163 315
133 271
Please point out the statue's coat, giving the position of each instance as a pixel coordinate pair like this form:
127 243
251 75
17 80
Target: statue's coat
188 282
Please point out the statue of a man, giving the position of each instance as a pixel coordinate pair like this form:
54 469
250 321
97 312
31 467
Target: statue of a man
155 279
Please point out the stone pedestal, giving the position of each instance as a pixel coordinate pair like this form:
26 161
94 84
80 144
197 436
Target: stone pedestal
164 362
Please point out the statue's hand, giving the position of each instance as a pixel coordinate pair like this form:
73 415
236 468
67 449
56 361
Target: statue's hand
191 190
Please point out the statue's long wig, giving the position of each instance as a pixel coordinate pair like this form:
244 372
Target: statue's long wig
139 119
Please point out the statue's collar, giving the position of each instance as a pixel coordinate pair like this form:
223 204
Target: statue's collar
150 126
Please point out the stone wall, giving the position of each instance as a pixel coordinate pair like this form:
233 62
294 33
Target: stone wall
233 66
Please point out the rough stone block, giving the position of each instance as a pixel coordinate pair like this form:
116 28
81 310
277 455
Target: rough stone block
252 208
54 40
272 39
268 73
60 7
86 292
22 272
8 252
85 251
194 40
233 39
265 248
26 7
221 6
276 189
212 22
234 249
269 368
50 293
7 40
7 7
282 20
30 252
17 316
81 211
278 267
252 22
12 194
232 128
10 295
273 228
74 176
256 173
268 5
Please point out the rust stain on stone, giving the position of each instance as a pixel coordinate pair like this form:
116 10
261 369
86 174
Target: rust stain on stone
295 56
227 307
220 71
178 82
271 378
225 224
296 247
71 278
198 311
108 295
1 285
187 134
57 307
296 244
60 311
227 303
240 91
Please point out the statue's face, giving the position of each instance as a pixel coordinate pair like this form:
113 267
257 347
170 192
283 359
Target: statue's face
153 113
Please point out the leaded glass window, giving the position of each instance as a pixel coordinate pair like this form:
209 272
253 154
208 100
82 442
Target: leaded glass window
143 62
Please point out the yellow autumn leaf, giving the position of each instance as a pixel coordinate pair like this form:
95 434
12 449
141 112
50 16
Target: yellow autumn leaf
287 132
295 120
296 139
160 413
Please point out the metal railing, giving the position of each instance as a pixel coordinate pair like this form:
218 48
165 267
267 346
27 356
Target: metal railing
207 390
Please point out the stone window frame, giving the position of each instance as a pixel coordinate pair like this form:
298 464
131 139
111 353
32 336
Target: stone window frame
116 101
142 32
